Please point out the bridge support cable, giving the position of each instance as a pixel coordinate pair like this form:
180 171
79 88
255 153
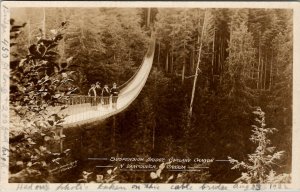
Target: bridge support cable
80 111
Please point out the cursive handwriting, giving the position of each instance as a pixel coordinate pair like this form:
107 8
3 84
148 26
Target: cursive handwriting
38 187
4 25
213 187
151 186
183 186
111 186
71 187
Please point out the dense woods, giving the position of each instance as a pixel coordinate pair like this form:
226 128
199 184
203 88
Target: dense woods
212 69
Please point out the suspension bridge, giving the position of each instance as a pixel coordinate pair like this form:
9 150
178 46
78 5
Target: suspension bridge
80 111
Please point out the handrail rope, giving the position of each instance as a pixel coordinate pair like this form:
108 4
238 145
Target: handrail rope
150 48
125 90
149 54
124 84
134 88
85 99
80 97
146 56
74 97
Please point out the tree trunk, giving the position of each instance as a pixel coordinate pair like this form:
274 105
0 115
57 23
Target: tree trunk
61 139
265 75
219 61
197 67
148 17
153 137
197 44
258 67
172 59
62 51
154 126
258 75
29 32
158 64
183 66
167 63
271 71
81 39
213 56
199 22
184 57
262 73
192 66
172 62
44 23
113 139
252 70
230 36
183 72
221 56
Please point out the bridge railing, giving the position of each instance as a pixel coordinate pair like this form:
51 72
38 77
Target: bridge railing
85 104
80 99
76 104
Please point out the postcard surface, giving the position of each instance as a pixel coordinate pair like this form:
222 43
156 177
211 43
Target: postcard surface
149 96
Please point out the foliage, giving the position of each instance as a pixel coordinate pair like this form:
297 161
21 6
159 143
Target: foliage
282 48
260 163
109 47
109 177
38 84
176 32
238 73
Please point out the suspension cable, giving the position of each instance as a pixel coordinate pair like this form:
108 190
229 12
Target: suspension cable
146 56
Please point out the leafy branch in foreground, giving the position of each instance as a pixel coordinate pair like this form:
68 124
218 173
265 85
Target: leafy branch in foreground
259 168
38 85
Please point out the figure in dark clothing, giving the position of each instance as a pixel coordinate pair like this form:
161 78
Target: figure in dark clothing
98 92
105 95
114 91
92 94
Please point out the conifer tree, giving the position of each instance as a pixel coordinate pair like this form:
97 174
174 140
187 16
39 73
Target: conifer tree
259 168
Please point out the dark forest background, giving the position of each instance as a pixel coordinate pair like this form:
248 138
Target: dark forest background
246 62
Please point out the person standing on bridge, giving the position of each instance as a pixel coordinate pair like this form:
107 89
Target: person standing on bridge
92 94
98 93
114 91
105 95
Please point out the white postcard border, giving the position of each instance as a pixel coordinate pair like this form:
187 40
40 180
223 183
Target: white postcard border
4 80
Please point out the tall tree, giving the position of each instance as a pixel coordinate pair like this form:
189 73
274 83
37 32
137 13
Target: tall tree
240 62
206 32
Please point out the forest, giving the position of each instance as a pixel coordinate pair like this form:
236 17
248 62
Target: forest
220 88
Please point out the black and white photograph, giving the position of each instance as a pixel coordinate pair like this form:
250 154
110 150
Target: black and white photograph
160 95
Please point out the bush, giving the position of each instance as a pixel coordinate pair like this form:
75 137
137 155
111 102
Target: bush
38 87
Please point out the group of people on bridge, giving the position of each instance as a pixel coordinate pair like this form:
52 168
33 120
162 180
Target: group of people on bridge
103 95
